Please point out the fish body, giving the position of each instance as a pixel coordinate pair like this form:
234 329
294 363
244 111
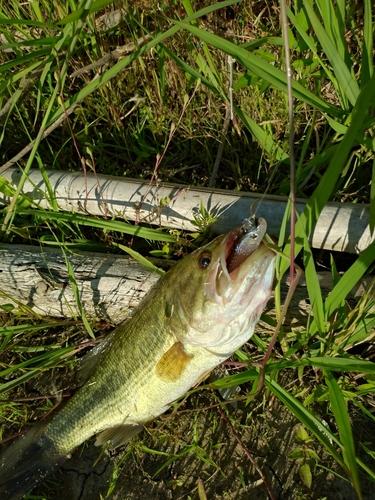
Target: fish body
195 317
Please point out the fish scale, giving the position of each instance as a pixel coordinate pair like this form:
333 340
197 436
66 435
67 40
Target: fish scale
129 401
125 377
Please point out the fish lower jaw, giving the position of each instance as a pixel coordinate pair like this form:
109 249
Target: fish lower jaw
226 350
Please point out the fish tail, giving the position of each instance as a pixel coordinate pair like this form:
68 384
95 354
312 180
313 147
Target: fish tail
27 463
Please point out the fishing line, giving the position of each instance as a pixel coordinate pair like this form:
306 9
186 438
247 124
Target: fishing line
260 200
292 195
294 278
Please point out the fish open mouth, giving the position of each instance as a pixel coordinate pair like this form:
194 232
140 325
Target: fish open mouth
240 244
236 288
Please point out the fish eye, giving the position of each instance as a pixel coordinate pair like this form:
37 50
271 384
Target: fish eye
204 260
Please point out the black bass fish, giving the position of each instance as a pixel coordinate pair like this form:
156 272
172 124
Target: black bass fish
196 316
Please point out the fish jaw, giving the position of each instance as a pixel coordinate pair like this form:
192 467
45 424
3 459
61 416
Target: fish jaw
220 307
237 303
250 294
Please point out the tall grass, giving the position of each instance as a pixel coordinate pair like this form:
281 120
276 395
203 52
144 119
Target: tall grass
127 121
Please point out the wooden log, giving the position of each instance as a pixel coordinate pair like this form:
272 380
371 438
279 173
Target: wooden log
109 286
341 227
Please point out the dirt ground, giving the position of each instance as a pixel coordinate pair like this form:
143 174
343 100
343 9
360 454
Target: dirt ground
218 460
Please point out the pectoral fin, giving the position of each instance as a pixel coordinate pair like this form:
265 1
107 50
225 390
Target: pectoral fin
173 363
202 377
118 435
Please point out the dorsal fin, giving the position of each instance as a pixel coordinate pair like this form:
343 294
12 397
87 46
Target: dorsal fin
91 359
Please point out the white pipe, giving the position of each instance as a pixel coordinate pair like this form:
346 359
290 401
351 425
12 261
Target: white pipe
341 227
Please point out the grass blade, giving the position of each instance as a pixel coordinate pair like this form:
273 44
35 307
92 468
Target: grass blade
308 419
368 45
313 288
333 16
27 22
348 86
264 139
343 423
65 36
348 364
372 200
191 71
111 225
337 364
73 284
31 43
269 73
142 260
105 77
322 193
45 361
21 60
77 14
346 283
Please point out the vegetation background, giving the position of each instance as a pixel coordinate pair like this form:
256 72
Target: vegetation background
152 105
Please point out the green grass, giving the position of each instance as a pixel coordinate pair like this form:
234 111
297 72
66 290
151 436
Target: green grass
168 98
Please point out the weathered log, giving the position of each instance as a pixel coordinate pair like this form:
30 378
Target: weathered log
109 286
341 227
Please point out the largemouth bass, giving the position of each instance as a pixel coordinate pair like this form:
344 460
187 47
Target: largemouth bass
195 317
